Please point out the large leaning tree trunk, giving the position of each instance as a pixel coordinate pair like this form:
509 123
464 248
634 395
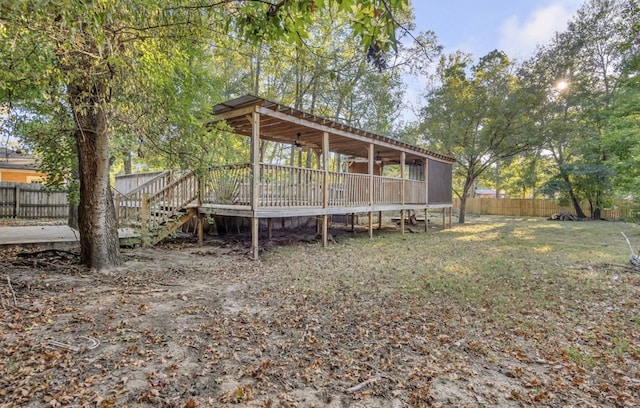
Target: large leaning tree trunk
466 188
99 247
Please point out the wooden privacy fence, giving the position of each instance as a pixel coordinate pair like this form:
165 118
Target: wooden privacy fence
21 200
622 210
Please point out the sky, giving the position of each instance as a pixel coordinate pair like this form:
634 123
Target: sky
513 26
481 26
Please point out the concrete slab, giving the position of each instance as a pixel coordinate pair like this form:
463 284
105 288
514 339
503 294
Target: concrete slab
49 236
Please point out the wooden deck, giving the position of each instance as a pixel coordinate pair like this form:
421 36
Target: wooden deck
157 205
285 191
258 190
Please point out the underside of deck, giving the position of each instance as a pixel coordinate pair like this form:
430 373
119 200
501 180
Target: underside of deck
246 211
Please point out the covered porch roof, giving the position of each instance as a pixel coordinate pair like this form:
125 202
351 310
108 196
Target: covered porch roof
287 125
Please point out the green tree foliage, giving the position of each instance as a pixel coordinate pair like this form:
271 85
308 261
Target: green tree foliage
479 115
325 74
588 58
622 131
95 54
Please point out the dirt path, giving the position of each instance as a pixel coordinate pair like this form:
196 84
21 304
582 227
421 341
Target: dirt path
183 326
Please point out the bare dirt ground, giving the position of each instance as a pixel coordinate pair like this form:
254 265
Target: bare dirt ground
393 322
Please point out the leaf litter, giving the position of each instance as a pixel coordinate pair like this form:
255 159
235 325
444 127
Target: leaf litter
416 320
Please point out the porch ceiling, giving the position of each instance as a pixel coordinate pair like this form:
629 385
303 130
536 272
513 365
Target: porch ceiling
286 125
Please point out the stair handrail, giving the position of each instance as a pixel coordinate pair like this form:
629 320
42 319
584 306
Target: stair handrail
128 212
153 205
146 184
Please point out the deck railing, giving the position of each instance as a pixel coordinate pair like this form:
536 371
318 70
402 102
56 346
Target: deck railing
166 203
228 185
387 190
415 192
290 187
128 204
348 189
286 186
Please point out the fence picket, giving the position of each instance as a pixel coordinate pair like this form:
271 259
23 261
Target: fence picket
22 200
526 207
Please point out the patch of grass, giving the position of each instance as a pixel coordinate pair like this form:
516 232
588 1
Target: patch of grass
580 358
527 273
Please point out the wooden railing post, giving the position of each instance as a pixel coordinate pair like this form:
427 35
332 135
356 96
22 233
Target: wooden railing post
144 220
116 205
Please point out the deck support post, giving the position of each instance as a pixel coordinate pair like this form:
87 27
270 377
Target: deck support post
325 187
270 228
200 229
379 220
426 220
403 212
255 231
371 159
425 169
255 183
444 225
450 216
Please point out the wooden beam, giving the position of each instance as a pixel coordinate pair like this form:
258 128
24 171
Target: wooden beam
371 159
403 158
324 128
200 229
325 186
255 230
426 194
234 113
255 184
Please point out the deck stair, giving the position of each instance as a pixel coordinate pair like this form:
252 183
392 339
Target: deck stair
159 206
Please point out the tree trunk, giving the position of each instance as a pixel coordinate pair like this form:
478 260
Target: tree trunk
462 213
463 199
127 162
72 216
596 213
574 199
99 247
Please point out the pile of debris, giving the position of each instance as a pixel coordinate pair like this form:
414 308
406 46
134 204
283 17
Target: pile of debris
563 216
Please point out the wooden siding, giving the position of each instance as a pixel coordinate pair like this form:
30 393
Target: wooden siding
21 200
21 176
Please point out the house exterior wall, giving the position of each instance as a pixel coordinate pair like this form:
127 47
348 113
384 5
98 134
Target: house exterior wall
21 176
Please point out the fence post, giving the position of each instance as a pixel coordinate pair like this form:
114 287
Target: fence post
16 207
